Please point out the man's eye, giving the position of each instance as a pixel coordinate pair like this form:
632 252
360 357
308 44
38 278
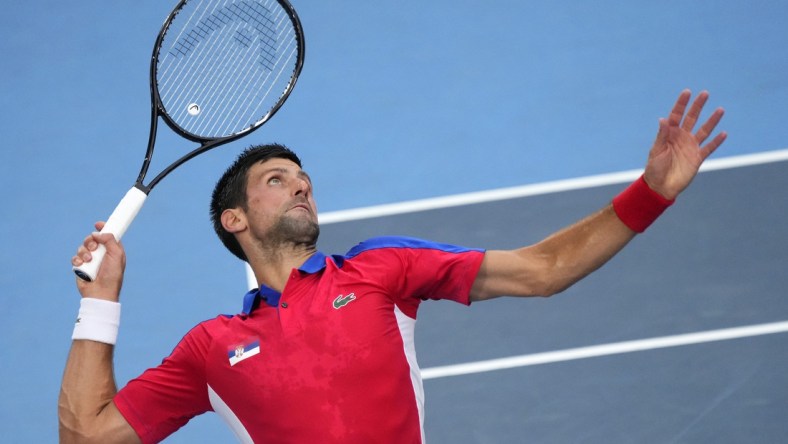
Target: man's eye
274 181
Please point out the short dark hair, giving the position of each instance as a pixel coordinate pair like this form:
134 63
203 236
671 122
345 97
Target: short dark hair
230 190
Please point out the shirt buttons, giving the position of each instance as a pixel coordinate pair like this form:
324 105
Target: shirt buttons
284 304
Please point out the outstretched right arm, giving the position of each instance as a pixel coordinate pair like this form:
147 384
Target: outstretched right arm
85 408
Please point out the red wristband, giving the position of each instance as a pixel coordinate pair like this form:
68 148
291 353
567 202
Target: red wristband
639 206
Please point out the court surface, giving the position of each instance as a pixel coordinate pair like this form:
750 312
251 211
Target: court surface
488 117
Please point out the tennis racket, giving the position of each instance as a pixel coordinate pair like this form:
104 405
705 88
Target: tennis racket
219 70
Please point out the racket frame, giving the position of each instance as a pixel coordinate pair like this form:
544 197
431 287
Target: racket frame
157 107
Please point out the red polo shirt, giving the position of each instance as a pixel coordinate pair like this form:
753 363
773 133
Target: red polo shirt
330 360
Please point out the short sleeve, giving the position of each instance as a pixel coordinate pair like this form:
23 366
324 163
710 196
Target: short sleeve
164 398
425 270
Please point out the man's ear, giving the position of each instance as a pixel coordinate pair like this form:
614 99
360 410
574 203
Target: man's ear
233 220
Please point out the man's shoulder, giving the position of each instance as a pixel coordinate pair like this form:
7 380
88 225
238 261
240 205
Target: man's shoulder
405 242
214 326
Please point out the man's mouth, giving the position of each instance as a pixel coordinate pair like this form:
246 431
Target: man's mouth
303 206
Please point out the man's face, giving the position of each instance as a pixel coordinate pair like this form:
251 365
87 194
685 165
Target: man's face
281 208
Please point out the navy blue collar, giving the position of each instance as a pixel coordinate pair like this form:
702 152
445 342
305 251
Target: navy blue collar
315 263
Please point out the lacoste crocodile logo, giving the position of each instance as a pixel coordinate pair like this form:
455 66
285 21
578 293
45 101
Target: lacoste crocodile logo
341 301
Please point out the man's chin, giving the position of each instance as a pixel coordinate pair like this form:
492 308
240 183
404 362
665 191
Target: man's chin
297 230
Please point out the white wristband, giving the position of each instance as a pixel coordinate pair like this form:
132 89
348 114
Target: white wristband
98 320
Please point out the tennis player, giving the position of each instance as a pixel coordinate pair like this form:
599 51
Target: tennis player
323 350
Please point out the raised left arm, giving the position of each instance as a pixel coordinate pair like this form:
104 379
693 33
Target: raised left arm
555 263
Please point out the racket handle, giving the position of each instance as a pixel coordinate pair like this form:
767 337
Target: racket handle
118 222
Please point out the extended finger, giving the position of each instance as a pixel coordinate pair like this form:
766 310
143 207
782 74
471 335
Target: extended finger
678 109
713 145
694 112
707 128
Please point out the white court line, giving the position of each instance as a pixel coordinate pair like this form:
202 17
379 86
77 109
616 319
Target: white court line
534 189
603 350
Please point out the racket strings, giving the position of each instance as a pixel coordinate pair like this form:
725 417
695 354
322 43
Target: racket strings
194 68
247 88
283 53
185 76
170 72
255 87
223 76
221 69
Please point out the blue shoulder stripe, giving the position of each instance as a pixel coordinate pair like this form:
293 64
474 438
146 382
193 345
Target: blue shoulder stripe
404 242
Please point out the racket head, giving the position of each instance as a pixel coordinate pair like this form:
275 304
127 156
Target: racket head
222 68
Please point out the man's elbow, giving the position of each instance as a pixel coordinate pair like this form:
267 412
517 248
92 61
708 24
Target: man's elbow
73 431
82 428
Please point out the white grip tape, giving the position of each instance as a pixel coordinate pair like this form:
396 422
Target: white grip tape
125 212
98 320
118 222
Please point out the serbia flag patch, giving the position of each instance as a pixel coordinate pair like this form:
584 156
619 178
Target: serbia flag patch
243 351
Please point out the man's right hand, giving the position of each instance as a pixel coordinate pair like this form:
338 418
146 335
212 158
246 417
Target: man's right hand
109 279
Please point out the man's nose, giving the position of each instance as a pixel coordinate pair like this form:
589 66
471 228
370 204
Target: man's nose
302 186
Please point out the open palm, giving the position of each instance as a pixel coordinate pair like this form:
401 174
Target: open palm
677 153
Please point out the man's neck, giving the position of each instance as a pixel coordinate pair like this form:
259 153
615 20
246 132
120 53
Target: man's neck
272 267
